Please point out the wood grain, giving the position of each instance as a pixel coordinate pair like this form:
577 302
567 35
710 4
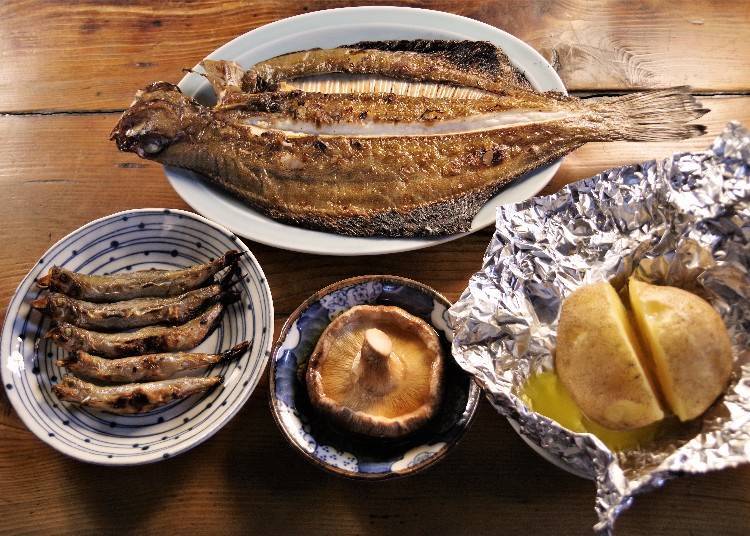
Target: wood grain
59 171
81 176
247 480
91 55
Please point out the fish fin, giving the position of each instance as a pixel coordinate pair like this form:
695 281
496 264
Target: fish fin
224 76
228 296
228 279
44 281
234 352
661 114
231 257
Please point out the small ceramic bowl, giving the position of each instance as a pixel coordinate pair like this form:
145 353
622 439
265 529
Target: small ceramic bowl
127 241
343 453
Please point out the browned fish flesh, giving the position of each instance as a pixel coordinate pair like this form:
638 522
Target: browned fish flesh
135 313
131 398
144 368
476 64
139 284
384 165
143 341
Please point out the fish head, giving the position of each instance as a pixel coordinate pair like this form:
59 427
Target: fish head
156 119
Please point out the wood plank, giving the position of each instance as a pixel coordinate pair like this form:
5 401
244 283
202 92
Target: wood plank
85 177
92 55
247 480
60 171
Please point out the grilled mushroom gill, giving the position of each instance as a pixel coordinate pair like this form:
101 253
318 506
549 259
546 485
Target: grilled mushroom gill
377 370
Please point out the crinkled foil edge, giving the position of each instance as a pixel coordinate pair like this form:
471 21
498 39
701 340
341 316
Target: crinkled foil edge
683 221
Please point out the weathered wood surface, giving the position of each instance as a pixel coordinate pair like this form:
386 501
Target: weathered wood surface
59 171
91 55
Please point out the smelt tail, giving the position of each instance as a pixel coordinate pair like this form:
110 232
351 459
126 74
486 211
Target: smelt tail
234 352
662 114
228 297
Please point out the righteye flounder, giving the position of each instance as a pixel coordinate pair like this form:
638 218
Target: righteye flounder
380 164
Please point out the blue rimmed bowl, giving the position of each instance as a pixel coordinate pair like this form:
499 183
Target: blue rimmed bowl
135 240
347 454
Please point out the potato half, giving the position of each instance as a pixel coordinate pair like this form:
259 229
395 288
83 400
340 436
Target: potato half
688 343
599 360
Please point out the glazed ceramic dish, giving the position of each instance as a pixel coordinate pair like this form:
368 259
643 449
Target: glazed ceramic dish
135 240
331 28
344 453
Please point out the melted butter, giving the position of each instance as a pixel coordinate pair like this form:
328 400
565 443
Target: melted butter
545 394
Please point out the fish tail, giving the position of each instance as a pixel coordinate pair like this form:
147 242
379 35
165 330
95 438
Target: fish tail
234 352
662 114
229 296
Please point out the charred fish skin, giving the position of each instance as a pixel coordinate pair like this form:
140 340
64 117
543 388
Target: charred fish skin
141 284
361 109
134 398
478 64
140 312
391 185
147 340
145 368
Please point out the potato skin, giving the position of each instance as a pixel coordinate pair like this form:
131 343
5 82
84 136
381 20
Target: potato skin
599 360
688 342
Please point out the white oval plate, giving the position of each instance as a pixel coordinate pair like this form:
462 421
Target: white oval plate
135 240
331 28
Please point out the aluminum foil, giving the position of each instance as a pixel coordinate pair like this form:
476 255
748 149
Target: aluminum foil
683 221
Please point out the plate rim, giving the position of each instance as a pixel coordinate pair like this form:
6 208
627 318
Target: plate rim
374 245
473 399
181 447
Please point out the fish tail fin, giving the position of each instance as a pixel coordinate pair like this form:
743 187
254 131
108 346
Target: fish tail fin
224 76
228 279
662 114
234 352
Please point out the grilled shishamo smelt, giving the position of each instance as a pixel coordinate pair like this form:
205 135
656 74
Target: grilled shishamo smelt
477 64
141 284
131 398
131 313
144 368
143 341
418 167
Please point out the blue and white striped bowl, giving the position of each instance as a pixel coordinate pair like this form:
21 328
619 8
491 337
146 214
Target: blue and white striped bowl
135 240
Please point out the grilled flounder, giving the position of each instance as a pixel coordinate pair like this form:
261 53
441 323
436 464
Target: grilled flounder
384 165
476 64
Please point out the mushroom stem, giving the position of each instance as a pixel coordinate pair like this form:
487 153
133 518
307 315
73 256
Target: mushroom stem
377 368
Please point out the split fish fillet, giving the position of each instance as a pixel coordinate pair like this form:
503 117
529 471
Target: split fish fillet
374 162
476 64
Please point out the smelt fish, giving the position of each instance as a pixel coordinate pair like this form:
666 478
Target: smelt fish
131 398
143 341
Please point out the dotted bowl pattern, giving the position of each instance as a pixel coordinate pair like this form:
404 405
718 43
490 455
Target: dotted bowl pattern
123 242
345 454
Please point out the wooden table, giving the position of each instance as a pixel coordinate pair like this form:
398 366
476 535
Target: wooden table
67 71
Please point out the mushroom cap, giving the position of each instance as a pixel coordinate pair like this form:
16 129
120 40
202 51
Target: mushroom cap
377 370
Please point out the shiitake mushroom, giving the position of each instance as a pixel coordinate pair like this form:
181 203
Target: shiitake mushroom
377 371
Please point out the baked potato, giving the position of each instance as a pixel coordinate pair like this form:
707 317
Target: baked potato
688 344
599 360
